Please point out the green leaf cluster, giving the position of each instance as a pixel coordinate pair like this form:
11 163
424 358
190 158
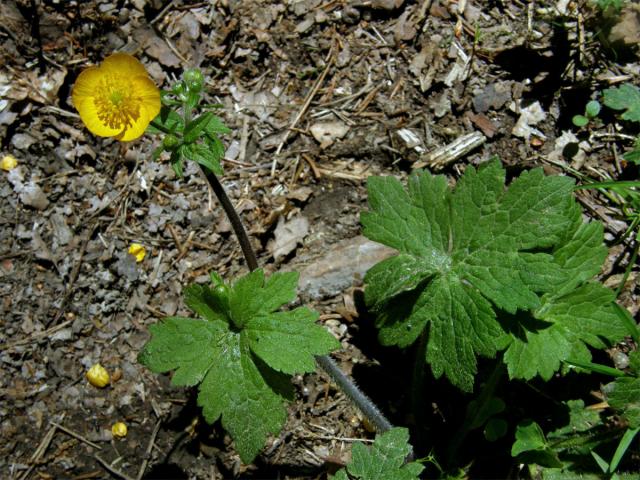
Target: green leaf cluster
481 268
240 352
615 5
196 139
571 451
591 111
384 460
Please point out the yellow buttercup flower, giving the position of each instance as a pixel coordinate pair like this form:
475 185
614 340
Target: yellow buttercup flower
117 98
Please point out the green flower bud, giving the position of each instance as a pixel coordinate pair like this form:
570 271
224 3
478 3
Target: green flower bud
179 88
221 292
170 142
194 80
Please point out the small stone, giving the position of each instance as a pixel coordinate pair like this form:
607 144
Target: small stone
33 196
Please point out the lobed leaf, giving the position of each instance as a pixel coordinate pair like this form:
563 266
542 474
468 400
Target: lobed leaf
239 353
625 97
385 459
468 253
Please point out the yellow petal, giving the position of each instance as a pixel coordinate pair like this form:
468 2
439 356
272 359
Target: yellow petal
123 64
83 98
137 251
149 97
98 376
119 430
8 163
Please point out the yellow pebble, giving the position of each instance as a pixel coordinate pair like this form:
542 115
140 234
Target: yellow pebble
8 163
98 376
137 251
119 430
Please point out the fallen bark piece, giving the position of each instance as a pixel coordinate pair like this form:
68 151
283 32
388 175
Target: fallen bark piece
345 262
443 156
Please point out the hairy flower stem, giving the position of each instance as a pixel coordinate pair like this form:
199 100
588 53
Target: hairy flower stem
234 218
364 403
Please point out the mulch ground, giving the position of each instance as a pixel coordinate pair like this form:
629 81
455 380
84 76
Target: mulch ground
319 95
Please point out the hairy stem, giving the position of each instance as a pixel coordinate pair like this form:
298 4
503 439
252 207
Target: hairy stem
364 403
234 218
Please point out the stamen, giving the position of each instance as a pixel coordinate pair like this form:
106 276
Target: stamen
116 105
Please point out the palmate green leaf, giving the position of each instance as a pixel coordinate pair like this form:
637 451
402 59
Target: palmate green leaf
463 254
625 97
240 353
383 460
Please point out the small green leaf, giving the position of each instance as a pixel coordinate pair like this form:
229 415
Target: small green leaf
580 120
625 97
529 436
581 419
157 152
237 351
216 127
592 109
176 161
167 121
531 446
205 156
384 460
196 127
495 429
624 394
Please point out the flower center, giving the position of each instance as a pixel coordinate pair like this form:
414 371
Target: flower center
116 105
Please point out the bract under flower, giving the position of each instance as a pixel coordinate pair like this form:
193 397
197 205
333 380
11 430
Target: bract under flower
117 98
